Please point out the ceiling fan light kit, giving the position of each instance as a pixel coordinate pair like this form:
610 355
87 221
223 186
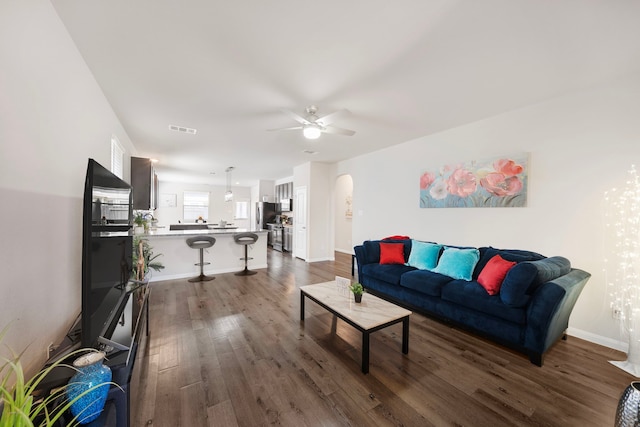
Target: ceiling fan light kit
313 126
311 131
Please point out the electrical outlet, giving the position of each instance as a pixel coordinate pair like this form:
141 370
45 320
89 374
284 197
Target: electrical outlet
50 349
616 313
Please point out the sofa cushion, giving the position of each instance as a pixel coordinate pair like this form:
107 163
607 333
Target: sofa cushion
387 272
391 253
425 281
514 289
473 296
424 255
493 274
457 263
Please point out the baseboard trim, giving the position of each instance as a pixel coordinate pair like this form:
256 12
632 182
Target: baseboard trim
321 259
598 339
344 251
160 278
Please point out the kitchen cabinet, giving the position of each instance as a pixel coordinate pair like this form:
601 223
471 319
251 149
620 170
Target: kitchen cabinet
145 184
284 191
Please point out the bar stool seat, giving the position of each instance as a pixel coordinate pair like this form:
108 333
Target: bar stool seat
245 239
202 243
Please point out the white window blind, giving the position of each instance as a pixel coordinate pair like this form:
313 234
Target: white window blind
117 157
196 205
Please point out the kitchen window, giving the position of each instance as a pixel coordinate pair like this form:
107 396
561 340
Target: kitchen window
195 205
117 157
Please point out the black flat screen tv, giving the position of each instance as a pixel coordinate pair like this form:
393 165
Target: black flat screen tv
107 246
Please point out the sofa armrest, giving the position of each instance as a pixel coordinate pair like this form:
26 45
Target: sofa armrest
360 259
549 310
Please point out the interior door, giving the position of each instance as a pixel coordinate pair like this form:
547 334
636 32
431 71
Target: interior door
300 223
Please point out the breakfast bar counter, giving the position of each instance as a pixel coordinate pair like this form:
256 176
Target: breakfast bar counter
224 257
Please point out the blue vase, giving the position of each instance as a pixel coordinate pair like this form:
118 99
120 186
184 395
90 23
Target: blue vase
90 386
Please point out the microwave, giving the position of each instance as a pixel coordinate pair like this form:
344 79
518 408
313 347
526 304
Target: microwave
286 205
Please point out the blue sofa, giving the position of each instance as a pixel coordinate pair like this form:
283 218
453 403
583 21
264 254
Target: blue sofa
529 313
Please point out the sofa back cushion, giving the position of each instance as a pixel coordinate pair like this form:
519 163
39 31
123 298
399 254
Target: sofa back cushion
424 255
507 254
372 250
457 263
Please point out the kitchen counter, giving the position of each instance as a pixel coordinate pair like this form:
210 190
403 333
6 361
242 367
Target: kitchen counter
189 233
224 256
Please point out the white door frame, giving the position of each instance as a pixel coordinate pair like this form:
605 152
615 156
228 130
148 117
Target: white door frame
301 218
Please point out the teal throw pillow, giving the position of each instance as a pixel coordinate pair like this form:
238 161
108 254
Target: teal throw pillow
457 263
423 255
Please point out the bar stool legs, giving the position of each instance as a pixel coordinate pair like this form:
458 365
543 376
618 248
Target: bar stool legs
246 239
201 242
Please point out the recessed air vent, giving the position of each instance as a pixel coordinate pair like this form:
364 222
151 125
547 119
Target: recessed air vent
182 129
309 152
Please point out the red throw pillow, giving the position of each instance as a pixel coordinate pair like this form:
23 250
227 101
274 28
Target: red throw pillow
493 274
391 253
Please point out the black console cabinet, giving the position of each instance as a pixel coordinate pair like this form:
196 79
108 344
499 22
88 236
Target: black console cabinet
127 347
145 184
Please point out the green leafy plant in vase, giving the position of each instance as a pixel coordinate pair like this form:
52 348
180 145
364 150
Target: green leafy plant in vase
19 407
139 223
357 290
141 265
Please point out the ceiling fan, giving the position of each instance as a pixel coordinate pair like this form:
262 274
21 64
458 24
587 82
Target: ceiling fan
313 126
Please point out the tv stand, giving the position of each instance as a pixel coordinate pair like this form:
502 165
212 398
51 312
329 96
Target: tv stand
126 345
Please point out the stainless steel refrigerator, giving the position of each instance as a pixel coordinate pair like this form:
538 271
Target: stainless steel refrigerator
266 213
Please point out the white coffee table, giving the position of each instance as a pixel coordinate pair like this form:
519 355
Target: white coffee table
371 315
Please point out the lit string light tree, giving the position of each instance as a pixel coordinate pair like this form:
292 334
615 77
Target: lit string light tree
622 269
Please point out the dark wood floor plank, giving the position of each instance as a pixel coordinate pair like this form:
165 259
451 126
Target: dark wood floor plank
233 352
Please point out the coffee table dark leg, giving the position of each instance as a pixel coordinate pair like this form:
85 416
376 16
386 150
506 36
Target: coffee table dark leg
405 335
365 352
334 324
302 306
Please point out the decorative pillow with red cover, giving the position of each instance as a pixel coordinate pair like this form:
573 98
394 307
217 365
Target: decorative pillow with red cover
493 274
391 253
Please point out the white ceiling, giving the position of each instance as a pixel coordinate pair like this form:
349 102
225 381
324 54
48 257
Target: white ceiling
404 68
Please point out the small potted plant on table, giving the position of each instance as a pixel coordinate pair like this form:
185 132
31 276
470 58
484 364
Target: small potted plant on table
357 290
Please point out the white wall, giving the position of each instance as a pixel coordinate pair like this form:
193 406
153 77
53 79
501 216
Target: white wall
580 145
343 229
218 208
319 180
53 117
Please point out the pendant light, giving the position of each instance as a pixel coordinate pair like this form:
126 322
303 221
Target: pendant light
228 195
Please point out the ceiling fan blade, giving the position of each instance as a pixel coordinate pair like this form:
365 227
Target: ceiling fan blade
298 118
291 128
330 118
338 131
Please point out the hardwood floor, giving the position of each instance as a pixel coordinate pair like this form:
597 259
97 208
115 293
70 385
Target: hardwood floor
233 352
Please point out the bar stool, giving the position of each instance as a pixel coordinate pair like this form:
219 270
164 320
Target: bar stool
201 242
245 239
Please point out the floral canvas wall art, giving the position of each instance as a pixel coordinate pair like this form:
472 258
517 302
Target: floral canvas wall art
496 183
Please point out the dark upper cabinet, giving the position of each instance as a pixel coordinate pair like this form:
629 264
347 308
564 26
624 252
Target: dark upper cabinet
145 184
